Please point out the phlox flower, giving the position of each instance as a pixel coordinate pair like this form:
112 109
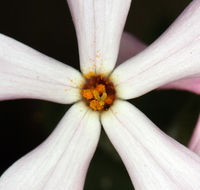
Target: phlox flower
153 159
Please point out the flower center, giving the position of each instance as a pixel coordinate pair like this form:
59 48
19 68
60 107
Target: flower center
98 92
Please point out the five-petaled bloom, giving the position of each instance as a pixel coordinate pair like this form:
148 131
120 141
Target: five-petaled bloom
153 160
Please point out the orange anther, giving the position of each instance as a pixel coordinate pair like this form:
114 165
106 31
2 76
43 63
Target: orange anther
101 88
108 100
87 94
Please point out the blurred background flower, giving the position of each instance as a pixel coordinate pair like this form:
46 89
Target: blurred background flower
47 26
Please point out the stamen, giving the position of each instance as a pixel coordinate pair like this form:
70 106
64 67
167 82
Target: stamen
101 88
96 95
95 105
104 96
109 100
87 94
98 92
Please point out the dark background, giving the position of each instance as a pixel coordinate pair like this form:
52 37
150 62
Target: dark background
47 26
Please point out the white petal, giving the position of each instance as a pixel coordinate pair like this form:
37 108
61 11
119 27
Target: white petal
175 55
26 73
129 47
154 160
194 144
99 24
61 162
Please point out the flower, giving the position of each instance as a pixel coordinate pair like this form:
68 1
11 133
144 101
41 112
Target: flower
153 160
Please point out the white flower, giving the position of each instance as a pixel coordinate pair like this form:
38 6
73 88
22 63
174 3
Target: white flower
153 159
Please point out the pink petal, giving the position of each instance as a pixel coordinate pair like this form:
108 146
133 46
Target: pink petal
61 162
154 160
99 25
129 47
190 84
26 73
175 55
194 144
